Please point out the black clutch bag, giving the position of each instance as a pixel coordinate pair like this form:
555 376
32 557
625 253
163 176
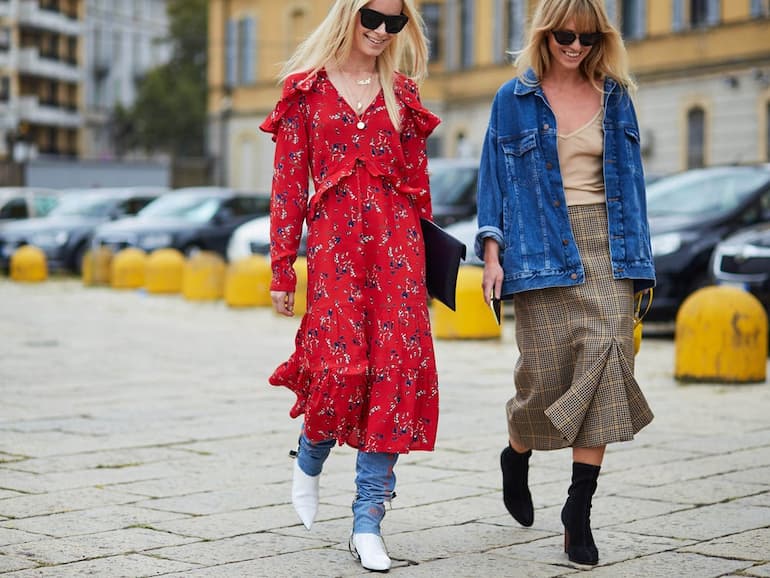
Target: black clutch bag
443 254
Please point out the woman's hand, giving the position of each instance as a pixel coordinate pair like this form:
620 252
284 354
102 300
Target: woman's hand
283 302
492 280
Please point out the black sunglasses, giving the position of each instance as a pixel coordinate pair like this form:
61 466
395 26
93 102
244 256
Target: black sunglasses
566 37
372 20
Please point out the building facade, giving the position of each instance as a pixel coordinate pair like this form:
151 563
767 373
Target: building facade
123 40
40 78
703 69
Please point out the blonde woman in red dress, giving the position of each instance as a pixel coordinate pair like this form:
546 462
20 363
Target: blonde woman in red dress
363 370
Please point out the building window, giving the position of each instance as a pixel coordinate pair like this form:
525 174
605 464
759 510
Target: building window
5 88
696 133
246 50
467 35
515 14
231 53
704 13
759 8
767 131
5 38
431 15
633 24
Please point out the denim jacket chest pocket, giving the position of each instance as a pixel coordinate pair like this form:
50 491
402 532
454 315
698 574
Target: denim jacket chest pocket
521 157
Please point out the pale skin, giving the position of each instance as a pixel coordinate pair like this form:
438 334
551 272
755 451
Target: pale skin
574 102
361 63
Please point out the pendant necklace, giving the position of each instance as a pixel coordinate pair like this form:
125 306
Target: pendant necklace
358 104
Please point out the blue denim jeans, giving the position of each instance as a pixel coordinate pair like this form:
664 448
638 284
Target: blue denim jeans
375 485
375 480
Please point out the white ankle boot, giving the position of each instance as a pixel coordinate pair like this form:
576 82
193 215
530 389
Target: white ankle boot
370 550
304 495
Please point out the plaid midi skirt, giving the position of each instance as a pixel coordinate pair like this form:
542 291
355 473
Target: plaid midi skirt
574 376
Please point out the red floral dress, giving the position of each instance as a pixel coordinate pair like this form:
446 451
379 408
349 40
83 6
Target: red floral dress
363 369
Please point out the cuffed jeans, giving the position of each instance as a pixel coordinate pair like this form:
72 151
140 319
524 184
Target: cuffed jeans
375 480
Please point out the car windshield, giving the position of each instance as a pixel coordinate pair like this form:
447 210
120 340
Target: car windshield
193 208
703 192
448 183
89 205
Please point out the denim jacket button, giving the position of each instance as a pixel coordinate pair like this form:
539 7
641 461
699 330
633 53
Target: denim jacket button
573 276
549 166
565 242
556 204
546 126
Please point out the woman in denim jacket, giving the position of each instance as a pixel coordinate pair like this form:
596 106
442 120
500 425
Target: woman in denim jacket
563 232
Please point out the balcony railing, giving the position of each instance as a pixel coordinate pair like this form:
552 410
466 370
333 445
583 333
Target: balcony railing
31 14
32 62
32 110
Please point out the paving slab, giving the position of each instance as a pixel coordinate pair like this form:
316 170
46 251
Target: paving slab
139 437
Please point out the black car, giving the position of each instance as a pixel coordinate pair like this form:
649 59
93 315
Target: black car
190 220
689 214
743 260
453 189
65 233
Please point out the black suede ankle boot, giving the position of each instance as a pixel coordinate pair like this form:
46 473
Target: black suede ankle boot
576 515
516 496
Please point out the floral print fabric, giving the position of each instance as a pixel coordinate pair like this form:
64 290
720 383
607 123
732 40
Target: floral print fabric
363 369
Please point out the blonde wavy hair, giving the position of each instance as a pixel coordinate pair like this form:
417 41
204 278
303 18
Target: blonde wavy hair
332 42
607 58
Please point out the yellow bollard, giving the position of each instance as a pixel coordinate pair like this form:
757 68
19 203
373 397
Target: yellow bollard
204 277
96 265
721 336
473 319
300 294
28 264
127 269
247 282
163 271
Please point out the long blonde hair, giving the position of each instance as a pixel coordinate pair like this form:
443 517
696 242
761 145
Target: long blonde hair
607 58
332 42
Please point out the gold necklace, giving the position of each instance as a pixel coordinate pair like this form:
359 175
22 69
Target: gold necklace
356 100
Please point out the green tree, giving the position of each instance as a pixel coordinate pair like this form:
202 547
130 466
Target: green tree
169 114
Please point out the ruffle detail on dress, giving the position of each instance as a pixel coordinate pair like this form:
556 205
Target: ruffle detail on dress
407 92
387 402
292 87
608 384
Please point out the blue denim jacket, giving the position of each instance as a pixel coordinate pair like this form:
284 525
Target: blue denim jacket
521 202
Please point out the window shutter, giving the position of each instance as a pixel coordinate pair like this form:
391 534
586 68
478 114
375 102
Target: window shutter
231 53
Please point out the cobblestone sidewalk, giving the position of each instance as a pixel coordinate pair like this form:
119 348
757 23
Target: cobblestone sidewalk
139 437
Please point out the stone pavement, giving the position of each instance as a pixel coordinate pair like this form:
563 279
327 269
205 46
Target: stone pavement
139 437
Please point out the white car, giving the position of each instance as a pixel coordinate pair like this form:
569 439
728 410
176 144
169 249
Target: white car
253 238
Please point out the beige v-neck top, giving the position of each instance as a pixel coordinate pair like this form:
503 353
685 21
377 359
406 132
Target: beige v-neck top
580 159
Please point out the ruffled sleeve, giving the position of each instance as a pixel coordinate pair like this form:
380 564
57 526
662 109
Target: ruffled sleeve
418 124
291 172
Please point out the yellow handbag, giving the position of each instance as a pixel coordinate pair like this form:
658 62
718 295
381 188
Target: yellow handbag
639 315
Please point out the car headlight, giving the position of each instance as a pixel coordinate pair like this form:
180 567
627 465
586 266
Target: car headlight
667 243
50 239
155 241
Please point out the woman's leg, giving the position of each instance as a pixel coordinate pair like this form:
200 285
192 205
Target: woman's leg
576 514
375 485
514 463
307 473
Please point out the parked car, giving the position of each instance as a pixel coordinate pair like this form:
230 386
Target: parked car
64 234
453 189
253 238
743 260
189 219
689 214
26 202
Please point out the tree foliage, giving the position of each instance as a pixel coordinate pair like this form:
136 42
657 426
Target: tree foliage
169 114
